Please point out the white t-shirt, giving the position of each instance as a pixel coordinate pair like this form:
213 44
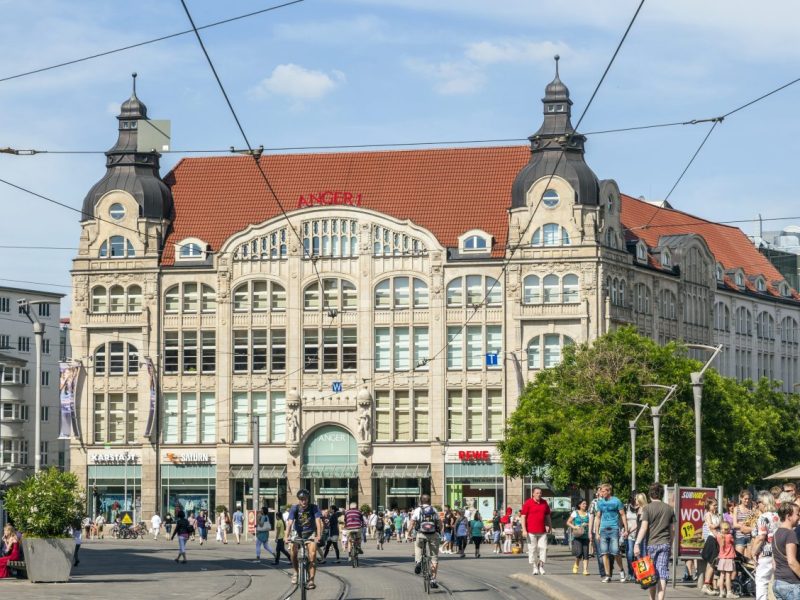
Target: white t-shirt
373 520
155 522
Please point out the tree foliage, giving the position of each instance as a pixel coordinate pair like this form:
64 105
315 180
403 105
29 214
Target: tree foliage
46 504
573 419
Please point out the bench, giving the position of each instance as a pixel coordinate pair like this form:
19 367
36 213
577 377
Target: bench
19 568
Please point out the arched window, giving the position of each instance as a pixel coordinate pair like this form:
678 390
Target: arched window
116 358
761 285
642 298
744 321
191 250
99 299
330 237
531 290
641 252
208 299
621 293
117 247
722 317
474 290
666 258
191 300
100 360
455 292
551 294
789 331
719 272
667 305
116 299
615 291
401 293
611 238
172 298
765 326
739 279
550 234
569 289
338 294
259 296
475 242
134 299
546 351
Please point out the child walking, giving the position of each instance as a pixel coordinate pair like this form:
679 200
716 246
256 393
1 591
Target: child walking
725 564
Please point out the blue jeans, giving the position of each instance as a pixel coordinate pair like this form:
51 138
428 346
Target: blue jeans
786 591
609 541
629 544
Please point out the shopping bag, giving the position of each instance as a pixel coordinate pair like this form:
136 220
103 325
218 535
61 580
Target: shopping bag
645 572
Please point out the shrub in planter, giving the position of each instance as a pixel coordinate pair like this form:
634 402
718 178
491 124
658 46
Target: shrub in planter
43 507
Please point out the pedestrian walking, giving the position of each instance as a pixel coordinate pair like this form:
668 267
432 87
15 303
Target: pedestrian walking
497 532
192 518
447 536
380 525
785 554
725 561
263 527
578 524
155 525
462 531
223 522
633 516
536 524
610 515
238 523
373 524
766 526
658 520
99 524
476 529
331 530
280 532
398 527
202 526
168 522
508 531
77 535
711 527
183 530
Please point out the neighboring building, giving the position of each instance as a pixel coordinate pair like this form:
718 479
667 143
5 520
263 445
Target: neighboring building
373 328
782 248
17 387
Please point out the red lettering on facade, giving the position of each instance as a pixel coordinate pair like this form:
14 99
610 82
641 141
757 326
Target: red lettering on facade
328 198
474 455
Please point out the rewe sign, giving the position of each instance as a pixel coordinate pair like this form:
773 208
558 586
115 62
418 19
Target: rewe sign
474 456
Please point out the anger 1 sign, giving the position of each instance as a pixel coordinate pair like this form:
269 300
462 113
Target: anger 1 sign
329 198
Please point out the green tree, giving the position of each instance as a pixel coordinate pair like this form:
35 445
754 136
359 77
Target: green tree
573 419
46 504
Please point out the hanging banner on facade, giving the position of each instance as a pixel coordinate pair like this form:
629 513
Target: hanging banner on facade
67 383
151 415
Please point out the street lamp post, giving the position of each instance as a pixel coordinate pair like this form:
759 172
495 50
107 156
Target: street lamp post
38 332
655 413
632 427
697 393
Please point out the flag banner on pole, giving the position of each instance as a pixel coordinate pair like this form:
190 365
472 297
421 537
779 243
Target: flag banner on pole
151 416
68 381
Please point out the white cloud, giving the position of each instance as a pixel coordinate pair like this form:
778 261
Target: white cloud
514 51
298 82
458 77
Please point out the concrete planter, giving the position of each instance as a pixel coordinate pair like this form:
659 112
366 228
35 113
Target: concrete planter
48 559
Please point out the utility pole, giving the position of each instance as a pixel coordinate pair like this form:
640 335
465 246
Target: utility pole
38 332
256 464
632 427
697 393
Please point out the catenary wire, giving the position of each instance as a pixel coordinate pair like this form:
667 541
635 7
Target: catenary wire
146 42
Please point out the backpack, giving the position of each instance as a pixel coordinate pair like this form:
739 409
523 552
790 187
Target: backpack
427 520
379 524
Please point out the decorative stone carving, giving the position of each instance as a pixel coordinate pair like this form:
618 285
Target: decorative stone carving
293 422
364 401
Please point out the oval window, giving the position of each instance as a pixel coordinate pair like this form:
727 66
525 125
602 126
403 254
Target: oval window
550 198
117 211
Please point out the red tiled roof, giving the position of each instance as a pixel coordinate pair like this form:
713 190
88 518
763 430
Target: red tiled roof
447 191
730 246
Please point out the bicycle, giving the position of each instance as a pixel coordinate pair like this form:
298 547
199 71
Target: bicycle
353 552
426 568
303 564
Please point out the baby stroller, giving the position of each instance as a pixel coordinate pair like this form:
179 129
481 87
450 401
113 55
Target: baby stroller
744 581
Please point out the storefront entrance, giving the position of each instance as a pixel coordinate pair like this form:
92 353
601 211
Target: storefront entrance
190 487
400 486
330 466
475 486
272 492
113 489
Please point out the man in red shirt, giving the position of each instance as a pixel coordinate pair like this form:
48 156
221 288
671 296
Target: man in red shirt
535 521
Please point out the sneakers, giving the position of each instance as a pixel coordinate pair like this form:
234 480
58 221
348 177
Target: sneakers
417 568
733 595
605 579
535 570
585 571
574 569
621 577
706 589
294 579
434 585
541 569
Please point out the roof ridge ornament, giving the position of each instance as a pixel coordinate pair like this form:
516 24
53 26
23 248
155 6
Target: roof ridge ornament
134 74
556 58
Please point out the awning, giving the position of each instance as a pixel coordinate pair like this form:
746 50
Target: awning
401 471
790 473
477 470
329 471
264 472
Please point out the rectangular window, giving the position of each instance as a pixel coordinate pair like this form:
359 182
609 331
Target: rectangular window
474 337
99 418
330 349
421 422
260 296
383 416
402 349
349 349
278 350
188 418
383 349
455 415
494 343
190 298
45 377
475 415
45 346
208 359
259 401
45 416
494 414
208 299
116 358
278 298
277 417
5 342
24 344
44 310
259 344
208 414
170 417
241 351
116 417
133 417
43 451
241 418
190 352
420 294
310 349
421 348
402 416
5 305
171 344
474 290
455 351
26 376
401 293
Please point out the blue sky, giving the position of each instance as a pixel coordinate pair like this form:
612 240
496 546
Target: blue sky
393 71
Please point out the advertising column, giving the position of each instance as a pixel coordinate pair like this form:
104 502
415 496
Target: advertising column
690 512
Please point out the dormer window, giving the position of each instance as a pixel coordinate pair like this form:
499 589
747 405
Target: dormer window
551 108
550 198
641 252
191 249
739 278
785 291
761 285
559 108
719 272
475 241
666 259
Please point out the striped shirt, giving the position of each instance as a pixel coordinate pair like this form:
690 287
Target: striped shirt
353 519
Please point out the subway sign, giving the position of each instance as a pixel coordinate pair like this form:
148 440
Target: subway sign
474 456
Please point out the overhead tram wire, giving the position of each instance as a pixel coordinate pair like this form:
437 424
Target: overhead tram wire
146 42
519 244
256 159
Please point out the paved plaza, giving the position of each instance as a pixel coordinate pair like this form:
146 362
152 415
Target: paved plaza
146 569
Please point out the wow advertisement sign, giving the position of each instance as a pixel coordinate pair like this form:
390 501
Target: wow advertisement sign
691 511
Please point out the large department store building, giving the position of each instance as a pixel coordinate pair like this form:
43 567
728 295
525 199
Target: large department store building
373 327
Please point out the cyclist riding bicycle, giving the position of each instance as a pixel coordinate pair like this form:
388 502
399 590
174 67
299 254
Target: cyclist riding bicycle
353 525
305 521
427 526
